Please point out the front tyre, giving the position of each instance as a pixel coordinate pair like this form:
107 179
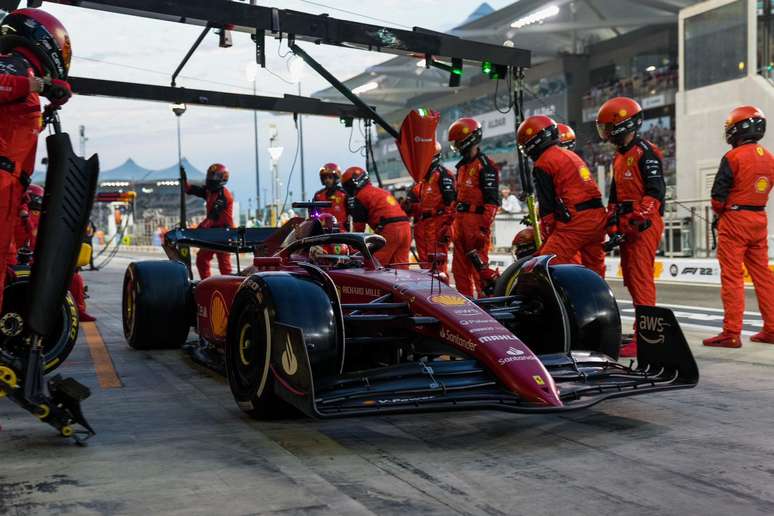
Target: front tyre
248 359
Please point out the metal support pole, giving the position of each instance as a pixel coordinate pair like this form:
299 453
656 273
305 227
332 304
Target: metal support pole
183 214
257 160
190 53
301 150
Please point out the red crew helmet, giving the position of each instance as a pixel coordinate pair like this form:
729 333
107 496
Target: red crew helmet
330 170
566 136
536 134
464 134
42 34
354 179
745 124
617 118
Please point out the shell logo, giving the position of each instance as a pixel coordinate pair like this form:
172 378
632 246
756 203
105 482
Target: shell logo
585 173
762 185
448 300
529 131
622 113
218 314
759 151
392 201
465 130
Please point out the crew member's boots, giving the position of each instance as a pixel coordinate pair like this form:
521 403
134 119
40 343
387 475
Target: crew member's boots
79 295
764 336
628 349
724 340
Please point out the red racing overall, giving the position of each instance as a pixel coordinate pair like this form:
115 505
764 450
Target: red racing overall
20 122
220 214
637 194
381 211
434 215
739 196
571 209
477 202
338 198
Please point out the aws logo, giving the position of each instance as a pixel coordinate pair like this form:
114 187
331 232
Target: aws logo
762 185
652 324
218 314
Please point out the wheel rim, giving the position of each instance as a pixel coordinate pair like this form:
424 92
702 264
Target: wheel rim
245 343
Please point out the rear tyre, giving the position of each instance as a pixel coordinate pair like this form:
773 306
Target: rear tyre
248 359
156 304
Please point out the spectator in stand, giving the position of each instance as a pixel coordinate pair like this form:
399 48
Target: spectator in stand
510 203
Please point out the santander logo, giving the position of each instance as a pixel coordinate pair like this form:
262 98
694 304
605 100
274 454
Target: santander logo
514 355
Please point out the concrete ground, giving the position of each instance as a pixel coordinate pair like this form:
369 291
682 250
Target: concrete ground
171 441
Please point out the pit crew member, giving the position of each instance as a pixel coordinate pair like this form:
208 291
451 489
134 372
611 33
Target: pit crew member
477 202
572 215
636 202
34 61
739 196
330 175
377 207
220 214
435 196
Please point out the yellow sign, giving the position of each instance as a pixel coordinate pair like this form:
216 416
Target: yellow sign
762 185
539 380
658 269
218 314
448 300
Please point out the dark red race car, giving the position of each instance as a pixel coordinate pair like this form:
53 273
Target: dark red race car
316 322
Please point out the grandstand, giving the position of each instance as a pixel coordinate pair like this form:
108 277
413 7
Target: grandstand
687 63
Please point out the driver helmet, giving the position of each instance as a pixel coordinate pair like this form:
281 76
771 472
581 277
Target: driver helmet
524 243
38 32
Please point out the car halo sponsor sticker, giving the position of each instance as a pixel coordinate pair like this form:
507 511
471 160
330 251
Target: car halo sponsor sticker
448 299
457 340
514 355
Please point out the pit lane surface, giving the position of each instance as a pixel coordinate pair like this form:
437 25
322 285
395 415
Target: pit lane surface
171 440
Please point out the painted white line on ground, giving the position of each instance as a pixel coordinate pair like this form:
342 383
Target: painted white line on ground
689 307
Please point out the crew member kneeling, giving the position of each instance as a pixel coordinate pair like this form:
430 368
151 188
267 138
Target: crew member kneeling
739 197
477 201
220 214
378 208
571 211
636 203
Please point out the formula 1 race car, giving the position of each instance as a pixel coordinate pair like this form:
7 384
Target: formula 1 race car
317 323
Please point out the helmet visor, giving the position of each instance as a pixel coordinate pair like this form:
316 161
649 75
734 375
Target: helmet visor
604 130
